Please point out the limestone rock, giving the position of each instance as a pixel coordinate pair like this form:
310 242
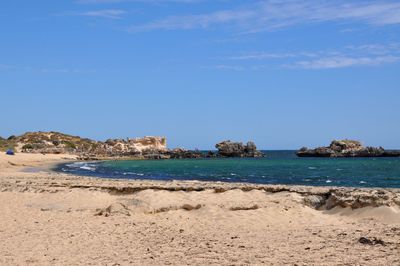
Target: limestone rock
314 201
56 143
114 209
371 241
346 148
237 149
180 153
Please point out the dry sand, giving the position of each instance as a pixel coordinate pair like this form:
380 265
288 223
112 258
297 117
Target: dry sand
50 218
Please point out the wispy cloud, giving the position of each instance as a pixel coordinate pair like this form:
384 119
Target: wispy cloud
143 1
105 13
98 1
273 14
40 69
349 56
343 62
196 21
5 67
228 67
265 55
192 22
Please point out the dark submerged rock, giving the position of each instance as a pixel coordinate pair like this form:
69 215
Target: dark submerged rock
180 153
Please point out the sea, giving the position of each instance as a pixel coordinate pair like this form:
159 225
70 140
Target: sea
278 167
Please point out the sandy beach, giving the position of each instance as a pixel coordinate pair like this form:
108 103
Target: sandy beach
50 218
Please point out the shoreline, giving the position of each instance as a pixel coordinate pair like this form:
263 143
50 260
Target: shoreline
44 167
53 216
48 167
248 183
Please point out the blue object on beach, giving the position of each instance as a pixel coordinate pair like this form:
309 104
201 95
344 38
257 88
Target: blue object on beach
10 152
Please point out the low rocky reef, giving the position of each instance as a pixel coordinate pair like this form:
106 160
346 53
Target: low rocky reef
225 149
346 148
149 147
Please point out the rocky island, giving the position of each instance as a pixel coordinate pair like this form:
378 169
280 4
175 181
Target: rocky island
237 149
346 148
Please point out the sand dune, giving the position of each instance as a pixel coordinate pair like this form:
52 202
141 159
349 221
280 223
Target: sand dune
55 219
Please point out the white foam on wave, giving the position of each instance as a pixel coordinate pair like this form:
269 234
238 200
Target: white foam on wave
312 168
132 173
74 165
328 181
82 165
88 167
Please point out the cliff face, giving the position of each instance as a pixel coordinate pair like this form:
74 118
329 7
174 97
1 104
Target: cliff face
57 143
346 148
138 145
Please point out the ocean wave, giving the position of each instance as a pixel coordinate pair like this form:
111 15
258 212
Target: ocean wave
81 165
132 173
87 167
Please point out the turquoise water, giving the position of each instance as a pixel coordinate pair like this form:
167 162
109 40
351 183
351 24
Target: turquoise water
279 167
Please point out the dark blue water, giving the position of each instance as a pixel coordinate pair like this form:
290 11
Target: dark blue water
279 167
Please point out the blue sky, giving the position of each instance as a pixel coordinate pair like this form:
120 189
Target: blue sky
282 73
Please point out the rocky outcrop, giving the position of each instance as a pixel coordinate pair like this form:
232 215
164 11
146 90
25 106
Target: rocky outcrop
114 209
237 149
180 153
54 142
57 143
138 145
134 147
352 198
141 148
346 148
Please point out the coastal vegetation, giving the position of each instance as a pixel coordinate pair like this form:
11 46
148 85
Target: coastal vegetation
6 144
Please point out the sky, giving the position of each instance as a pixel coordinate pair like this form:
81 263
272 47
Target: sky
284 74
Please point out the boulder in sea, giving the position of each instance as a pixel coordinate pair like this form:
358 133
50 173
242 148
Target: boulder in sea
346 148
237 149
